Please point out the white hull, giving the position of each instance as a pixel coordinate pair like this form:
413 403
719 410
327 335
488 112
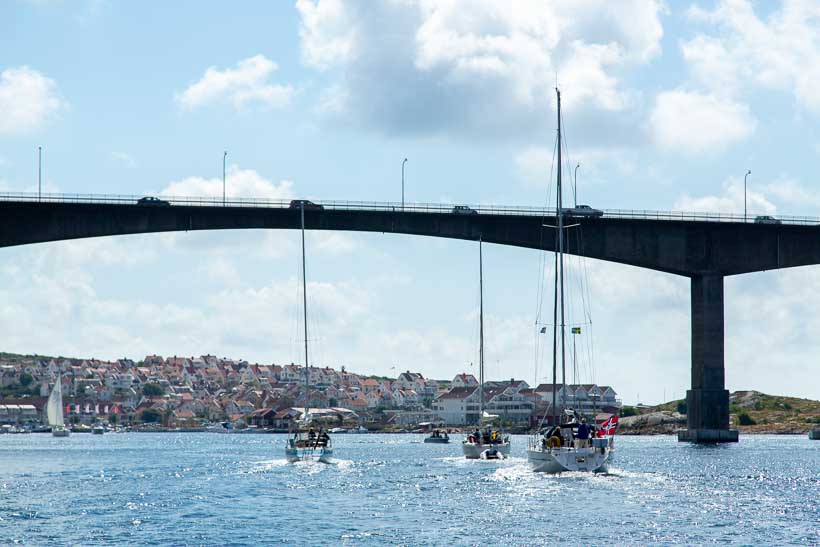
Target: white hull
472 451
559 460
60 432
322 455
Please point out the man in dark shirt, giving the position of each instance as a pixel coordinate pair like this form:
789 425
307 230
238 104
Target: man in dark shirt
582 437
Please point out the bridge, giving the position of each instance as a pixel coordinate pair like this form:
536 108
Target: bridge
703 247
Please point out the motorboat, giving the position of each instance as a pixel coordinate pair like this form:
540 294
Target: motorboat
437 436
97 430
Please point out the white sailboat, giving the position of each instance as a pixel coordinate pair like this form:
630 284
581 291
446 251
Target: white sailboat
569 444
54 410
487 442
306 443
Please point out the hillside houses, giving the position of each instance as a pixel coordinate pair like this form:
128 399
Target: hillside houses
207 388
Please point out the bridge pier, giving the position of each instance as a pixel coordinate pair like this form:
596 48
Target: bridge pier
707 403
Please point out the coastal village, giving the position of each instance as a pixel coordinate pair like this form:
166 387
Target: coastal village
190 392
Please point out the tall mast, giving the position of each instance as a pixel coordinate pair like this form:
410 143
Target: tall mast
480 333
561 255
304 308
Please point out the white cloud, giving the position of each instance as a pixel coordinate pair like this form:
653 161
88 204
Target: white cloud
247 84
696 123
27 99
780 51
427 66
730 201
124 159
239 183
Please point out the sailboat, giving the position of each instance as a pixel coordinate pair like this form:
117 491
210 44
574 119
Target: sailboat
486 442
54 410
568 445
310 445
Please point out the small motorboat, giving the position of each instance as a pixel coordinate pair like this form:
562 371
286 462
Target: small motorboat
492 453
437 437
814 434
97 430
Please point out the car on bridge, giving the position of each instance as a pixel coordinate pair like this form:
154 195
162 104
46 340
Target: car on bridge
464 210
151 200
583 211
766 219
307 204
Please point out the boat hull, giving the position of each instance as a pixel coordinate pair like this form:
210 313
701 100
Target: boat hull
473 451
433 440
295 455
60 432
559 460
814 434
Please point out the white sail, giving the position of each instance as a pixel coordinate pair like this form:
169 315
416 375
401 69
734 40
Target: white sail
54 408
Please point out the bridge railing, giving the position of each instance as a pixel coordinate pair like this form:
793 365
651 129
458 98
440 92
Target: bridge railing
210 201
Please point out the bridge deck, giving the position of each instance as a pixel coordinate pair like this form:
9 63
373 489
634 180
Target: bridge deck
338 205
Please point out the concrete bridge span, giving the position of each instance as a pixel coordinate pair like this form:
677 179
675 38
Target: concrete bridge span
705 248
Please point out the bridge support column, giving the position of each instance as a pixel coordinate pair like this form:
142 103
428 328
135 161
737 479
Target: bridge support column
707 403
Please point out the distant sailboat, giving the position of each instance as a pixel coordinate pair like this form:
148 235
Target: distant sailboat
54 410
307 445
489 444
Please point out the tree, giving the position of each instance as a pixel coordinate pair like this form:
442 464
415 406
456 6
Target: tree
26 379
113 419
149 415
682 407
153 390
744 419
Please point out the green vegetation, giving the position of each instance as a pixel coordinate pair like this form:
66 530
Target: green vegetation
744 419
681 407
150 416
26 379
153 390
628 411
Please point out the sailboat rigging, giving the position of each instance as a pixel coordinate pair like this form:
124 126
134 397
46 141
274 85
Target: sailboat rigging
487 444
569 444
310 445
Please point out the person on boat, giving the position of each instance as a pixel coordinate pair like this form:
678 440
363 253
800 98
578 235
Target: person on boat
477 436
555 440
582 436
311 433
323 438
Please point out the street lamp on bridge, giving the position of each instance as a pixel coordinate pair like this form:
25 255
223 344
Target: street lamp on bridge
575 185
749 172
402 183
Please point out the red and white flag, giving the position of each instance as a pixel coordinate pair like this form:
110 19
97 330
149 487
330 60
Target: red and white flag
608 428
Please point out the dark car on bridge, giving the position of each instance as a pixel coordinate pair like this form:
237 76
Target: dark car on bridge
307 204
151 200
766 219
583 211
464 210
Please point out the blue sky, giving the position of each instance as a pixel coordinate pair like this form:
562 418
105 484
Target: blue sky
667 106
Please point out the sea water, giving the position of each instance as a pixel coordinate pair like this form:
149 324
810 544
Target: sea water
212 489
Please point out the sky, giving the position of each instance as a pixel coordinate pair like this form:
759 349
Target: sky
666 106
